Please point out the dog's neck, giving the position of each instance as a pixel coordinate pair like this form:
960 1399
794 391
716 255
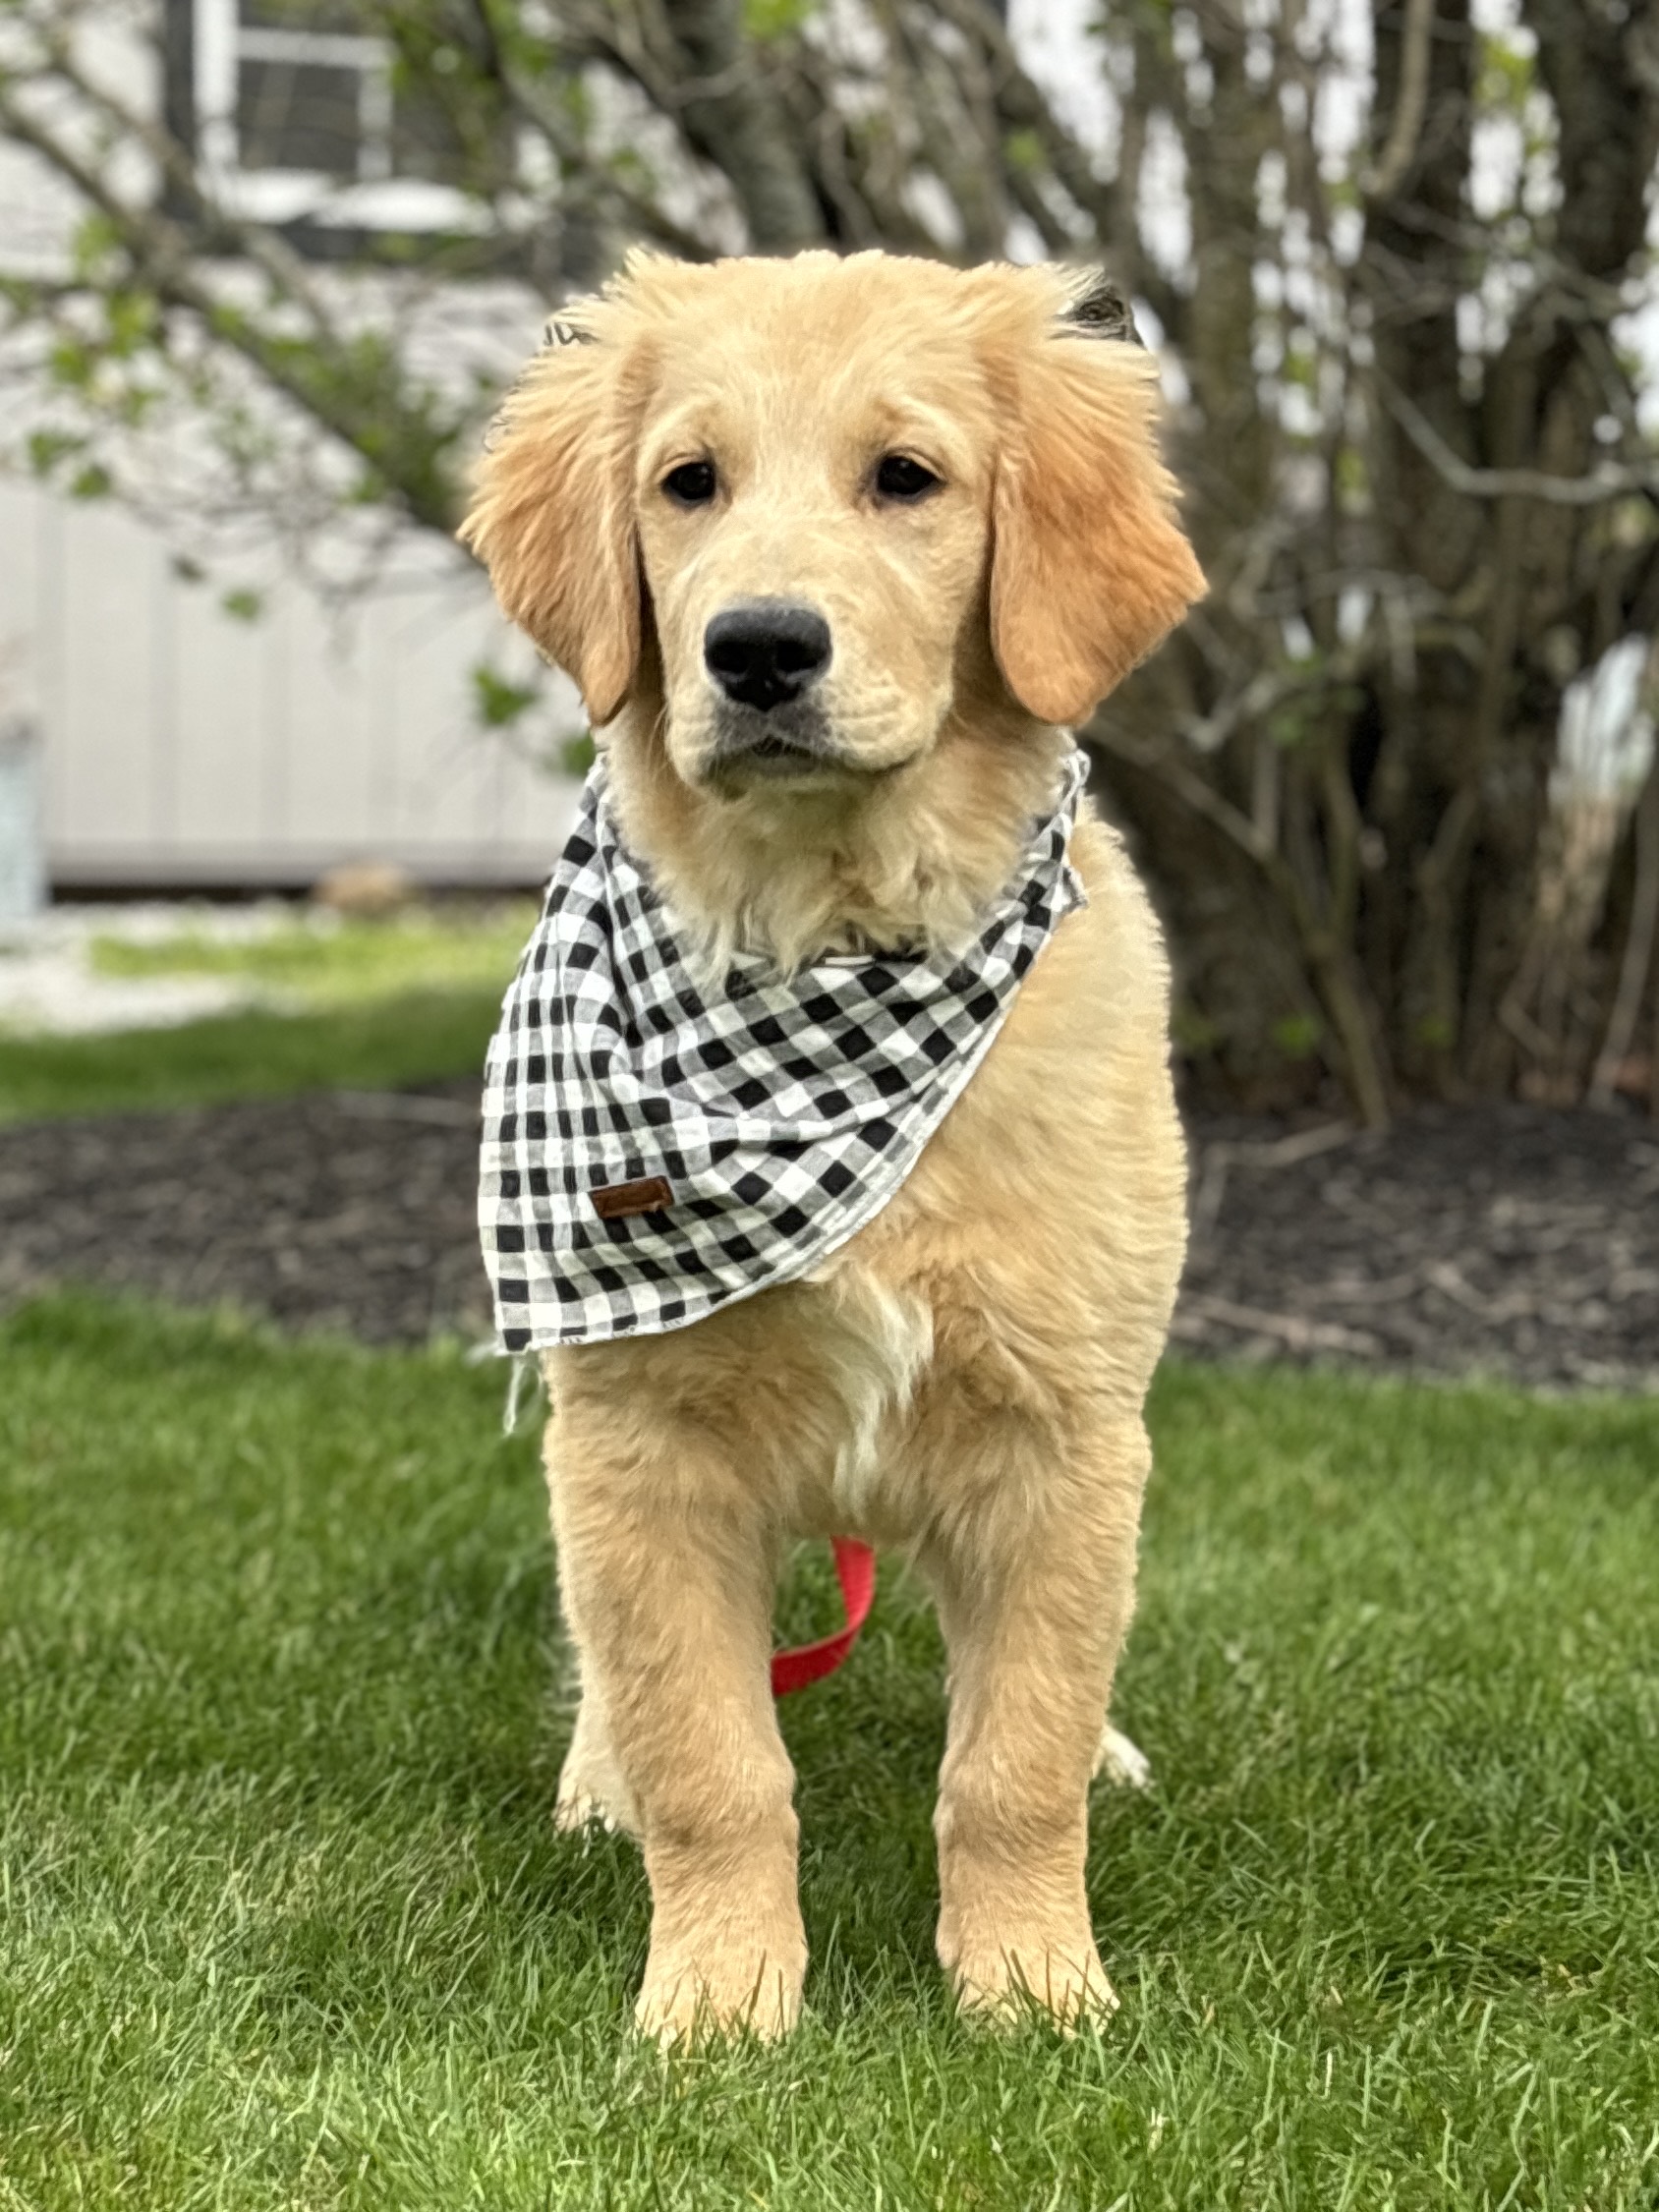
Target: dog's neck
909 860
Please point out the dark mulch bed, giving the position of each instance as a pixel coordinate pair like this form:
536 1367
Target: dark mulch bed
1506 1240
336 1209
1501 1240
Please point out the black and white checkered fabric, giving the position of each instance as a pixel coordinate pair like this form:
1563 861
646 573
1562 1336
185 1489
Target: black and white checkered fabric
782 1113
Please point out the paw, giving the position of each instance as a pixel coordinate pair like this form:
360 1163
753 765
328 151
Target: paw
1121 1762
745 1990
578 1812
591 1792
1064 1981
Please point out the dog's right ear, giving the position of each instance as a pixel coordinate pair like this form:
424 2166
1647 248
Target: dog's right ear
551 516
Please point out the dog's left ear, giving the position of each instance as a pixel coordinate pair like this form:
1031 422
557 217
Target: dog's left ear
1100 311
1090 569
552 517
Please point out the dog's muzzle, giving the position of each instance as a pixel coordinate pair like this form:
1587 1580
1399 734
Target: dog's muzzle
765 657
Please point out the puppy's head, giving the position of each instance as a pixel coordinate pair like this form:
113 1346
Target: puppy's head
806 505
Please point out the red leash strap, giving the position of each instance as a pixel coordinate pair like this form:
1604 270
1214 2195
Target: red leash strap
855 1568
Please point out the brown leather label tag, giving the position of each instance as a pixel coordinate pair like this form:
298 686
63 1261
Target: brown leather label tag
617 1201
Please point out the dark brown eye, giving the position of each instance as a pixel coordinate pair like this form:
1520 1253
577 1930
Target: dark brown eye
899 478
691 485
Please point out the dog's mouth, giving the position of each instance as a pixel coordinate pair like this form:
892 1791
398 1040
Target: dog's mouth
781 745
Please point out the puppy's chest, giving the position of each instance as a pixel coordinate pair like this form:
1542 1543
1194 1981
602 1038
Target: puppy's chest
956 1310
877 1344
917 1363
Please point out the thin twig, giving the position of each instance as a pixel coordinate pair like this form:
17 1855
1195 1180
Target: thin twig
1300 1335
1283 1151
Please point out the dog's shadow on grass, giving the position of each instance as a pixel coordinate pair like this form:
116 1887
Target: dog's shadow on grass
404 1745
865 1745
448 1762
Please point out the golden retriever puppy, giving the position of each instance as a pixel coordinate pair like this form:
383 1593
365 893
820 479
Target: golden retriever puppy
836 549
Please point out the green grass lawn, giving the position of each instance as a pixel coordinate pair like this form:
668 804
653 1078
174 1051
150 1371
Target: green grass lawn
422 1037
318 960
285 1923
361 1005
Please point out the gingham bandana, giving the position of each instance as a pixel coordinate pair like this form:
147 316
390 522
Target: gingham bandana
654 1148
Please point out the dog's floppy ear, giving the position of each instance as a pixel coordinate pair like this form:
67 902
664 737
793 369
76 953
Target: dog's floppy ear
552 517
1090 569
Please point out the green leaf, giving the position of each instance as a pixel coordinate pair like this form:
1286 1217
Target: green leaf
499 701
96 240
47 448
767 19
244 605
1194 1032
70 364
132 318
94 481
1296 1036
577 754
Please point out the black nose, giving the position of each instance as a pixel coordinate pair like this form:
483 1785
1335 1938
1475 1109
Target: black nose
763 653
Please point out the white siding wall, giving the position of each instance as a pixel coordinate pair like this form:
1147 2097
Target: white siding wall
183 746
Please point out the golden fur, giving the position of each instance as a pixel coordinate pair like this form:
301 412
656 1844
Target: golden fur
963 1381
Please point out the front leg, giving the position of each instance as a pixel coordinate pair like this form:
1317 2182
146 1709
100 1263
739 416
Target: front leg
667 1579
1033 1627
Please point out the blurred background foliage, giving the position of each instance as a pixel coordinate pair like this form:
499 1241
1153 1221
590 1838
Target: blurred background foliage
1394 782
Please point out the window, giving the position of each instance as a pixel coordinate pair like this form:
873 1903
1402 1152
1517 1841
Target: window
297 119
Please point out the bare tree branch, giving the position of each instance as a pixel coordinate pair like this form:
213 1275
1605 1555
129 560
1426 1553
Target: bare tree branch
1020 106
1511 483
598 183
727 115
1639 944
1396 156
403 448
